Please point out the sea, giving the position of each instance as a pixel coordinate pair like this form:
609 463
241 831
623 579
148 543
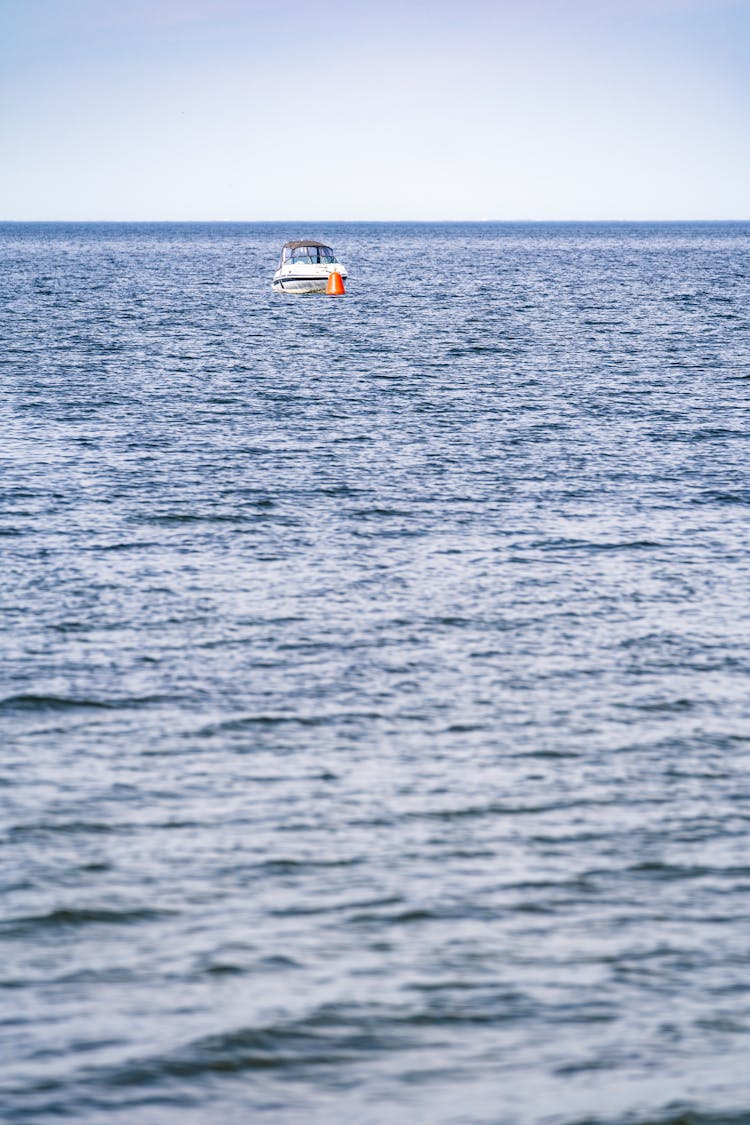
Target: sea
375 678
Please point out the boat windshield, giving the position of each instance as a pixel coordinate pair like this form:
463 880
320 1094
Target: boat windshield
310 255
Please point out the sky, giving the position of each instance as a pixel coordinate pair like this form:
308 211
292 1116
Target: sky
251 110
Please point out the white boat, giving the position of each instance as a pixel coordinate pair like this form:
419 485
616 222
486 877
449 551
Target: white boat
305 267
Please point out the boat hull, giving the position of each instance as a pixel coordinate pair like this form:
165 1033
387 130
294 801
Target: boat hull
304 281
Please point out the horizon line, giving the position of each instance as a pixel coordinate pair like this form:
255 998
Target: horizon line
341 222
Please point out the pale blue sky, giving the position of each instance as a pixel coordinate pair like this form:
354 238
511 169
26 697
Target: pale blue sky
251 110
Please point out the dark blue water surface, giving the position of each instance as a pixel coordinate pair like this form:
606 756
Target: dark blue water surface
375 695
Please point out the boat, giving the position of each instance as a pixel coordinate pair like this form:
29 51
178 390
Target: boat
305 267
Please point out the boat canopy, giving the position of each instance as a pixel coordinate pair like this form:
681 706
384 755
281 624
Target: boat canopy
307 251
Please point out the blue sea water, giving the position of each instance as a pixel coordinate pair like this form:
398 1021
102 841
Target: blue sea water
375 703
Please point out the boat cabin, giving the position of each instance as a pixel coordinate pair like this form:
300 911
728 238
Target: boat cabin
307 252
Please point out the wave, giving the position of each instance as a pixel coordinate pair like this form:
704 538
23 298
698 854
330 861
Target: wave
31 702
67 917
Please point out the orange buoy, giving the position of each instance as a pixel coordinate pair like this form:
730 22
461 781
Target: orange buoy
335 286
